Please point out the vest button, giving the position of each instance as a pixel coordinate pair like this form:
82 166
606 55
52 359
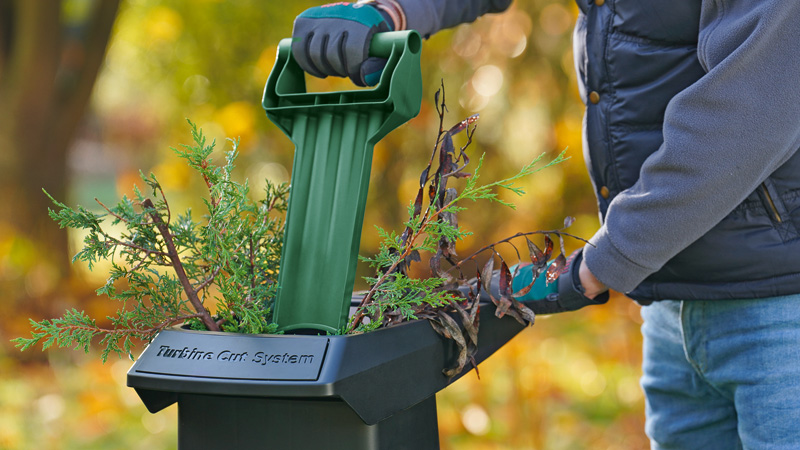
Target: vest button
594 97
604 192
599 2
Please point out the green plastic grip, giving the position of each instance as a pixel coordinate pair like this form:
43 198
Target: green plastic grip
334 134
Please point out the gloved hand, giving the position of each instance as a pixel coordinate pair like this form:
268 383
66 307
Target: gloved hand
541 288
561 295
334 40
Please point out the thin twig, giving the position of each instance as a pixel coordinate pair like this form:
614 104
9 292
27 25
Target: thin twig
108 210
166 204
191 293
136 247
520 234
208 280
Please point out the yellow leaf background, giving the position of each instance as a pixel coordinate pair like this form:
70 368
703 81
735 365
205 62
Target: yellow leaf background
568 382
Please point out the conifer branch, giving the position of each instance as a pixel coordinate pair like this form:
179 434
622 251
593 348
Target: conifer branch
235 249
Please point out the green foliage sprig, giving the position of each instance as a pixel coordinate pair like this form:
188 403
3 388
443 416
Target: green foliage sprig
165 267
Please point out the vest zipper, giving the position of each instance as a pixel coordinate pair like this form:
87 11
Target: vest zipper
771 203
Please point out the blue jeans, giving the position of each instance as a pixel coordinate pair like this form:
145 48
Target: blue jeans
722 374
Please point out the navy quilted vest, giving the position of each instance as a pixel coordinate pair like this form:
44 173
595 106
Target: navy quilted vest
632 57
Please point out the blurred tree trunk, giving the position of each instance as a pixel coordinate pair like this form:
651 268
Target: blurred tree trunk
48 66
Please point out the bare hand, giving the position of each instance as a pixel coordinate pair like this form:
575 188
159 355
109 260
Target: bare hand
591 285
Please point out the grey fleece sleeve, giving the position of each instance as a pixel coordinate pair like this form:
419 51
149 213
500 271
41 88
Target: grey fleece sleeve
430 16
723 136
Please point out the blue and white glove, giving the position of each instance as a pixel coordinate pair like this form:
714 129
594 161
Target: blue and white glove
541 288
562 295
334 40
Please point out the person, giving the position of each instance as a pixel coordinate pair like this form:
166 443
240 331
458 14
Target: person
691 132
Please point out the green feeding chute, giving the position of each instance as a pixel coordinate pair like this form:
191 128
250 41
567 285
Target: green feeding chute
334 134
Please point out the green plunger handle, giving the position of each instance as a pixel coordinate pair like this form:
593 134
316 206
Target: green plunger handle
334 134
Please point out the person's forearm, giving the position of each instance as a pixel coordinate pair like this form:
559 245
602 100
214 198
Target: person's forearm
430 16
723 136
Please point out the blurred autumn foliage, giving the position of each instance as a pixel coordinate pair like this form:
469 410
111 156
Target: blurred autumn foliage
568 382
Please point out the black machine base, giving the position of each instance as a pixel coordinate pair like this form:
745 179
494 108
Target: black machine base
252 423
358 392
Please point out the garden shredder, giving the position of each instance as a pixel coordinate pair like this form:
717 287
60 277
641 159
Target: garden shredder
299 391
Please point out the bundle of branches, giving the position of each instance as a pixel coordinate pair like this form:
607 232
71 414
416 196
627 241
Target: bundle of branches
165 267
451 302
